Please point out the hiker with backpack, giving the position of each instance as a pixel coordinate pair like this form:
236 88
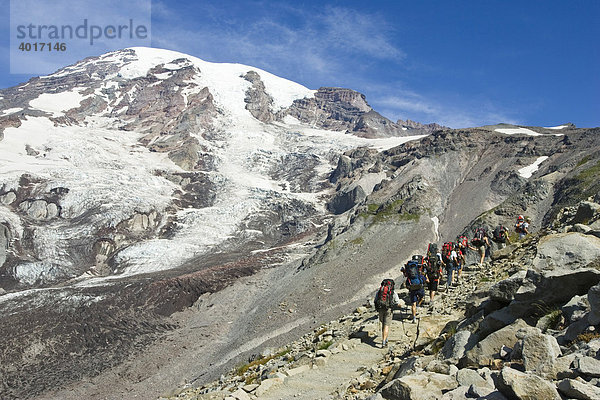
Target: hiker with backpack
450 261
480 244
433 269
385 301
522 226
460 261
500 236
414 283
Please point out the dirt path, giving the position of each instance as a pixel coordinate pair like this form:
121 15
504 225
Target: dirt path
334 376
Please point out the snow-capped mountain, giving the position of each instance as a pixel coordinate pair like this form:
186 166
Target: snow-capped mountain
141 159
143 182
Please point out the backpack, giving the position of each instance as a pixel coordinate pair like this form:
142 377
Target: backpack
498 234
432 268
463 241
478 239
413 279
447 251
385 295
432 250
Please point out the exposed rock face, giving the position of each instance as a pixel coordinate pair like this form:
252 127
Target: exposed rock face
343 109
258 102
428 128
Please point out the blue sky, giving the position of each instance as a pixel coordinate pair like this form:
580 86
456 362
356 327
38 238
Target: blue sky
460 64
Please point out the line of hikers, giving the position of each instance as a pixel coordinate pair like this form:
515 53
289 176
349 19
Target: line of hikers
421 271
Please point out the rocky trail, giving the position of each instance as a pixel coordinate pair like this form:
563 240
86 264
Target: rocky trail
524 325
354 355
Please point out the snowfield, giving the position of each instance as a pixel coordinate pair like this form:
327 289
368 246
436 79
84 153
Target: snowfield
111 176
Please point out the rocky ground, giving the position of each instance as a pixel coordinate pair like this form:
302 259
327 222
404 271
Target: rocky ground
522 326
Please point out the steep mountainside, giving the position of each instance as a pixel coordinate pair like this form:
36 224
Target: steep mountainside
138 184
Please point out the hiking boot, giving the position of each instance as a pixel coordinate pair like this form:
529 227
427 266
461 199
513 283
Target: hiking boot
384 344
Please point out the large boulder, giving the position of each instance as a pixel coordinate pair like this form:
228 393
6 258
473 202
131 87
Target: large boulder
421 386
455 347
518 385
539 353
565 266
566 251
488 349
579 390
505 290
576 308
594 301
586 211
468 377
589 366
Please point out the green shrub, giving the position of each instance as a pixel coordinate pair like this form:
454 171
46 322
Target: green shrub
325 345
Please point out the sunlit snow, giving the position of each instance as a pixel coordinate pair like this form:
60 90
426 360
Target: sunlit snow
528 171
516 131
107 168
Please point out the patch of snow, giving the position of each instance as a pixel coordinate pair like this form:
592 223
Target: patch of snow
556 127
10 111
57 103
163 75
528 171
436 225
391 142
516 131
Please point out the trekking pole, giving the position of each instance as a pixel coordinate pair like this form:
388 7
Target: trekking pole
417 337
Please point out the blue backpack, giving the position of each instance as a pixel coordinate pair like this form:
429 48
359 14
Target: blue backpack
413 277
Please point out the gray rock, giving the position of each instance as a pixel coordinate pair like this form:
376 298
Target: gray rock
344 201
569 251
488 349
580 228
594 301
574 330
589 366
505 290
518 385
438 366
258 102
563 366
579 390
343 169
576 308
422 386
8 198
455 346
267 384
412 365
468 377
586 211
539 354
485 392
459 393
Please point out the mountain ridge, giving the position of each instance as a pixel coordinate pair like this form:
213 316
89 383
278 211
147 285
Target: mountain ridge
134 209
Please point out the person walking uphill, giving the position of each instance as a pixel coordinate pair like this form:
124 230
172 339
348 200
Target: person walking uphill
385 301
481 243
433 269
414 284
450 260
